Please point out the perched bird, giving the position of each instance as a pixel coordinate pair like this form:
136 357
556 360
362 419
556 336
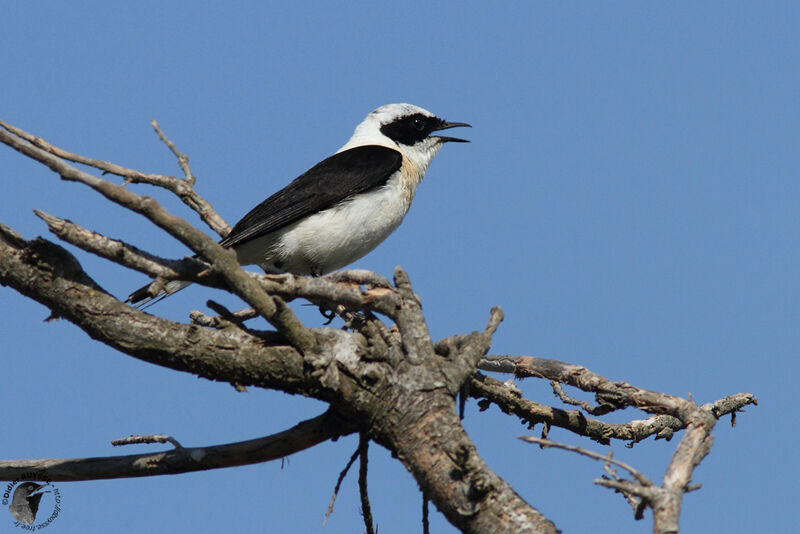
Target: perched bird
342 207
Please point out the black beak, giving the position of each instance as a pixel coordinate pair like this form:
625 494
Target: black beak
444 125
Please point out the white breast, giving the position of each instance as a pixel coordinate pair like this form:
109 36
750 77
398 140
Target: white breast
336 237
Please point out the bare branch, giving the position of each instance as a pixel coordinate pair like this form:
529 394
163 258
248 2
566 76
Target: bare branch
328 291
10 238
587 407
607 392
222 260
50 275
134 439
489 390
183 159
181 188
691 450
105 166
607 458
339 481
359 277
626 487
121 252
431 450
695 445
366 508
426 527
393 383
183 460
223 320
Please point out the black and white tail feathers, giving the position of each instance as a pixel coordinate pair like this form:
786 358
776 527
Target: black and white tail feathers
142 299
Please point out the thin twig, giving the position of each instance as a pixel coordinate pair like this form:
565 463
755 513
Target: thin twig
339 483
640 477
627 487
366 509
183 189
105 166
587 407
489 390
614 393
120 252
183 159
151 438
426 527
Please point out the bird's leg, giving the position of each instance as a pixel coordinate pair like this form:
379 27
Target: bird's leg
353 319
328 314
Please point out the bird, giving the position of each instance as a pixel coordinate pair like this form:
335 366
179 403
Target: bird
342 207
25 502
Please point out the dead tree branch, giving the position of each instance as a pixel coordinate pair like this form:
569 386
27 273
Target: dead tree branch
183 189
339 481
183 159
183 459
351 375
121 252
366 507
134 439
608 458
388 381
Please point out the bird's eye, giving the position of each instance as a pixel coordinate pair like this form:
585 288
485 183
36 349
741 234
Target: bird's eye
418 123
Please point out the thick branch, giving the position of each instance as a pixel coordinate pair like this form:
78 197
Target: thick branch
394 383
50 275
184 460
426 433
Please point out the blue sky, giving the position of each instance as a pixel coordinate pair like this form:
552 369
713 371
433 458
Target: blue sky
629 198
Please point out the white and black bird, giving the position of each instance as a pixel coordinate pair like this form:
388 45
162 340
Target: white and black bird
342 207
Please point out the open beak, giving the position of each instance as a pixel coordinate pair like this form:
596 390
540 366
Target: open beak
447 125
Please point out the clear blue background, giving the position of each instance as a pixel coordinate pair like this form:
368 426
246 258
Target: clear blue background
630 198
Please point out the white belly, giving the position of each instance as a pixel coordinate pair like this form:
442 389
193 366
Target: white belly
333 238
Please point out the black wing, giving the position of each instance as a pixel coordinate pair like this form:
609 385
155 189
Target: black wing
323 185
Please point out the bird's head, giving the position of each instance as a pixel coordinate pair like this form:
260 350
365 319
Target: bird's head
406 128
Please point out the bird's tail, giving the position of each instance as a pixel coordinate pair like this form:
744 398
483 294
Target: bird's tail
141 298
